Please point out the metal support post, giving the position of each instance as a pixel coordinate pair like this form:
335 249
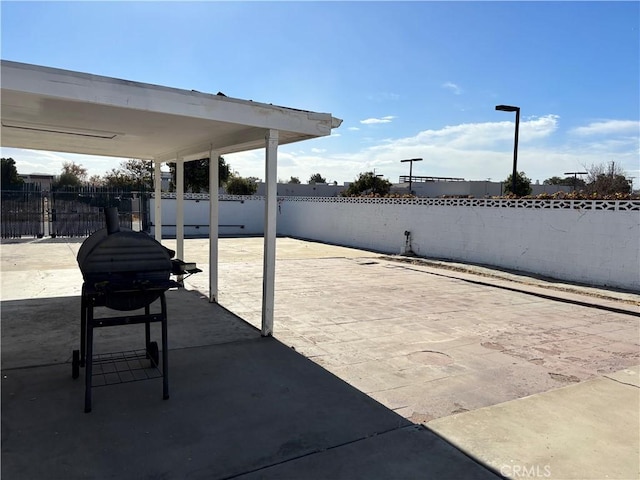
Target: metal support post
213 225
179 212
270 215
157 180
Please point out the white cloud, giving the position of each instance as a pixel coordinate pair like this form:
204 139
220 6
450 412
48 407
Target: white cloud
383 96
372 121
355 129
482 135
41 161
538 127
452 87
474 151
614 145
609 127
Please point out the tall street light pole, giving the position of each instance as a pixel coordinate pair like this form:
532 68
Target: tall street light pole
375 182
411 160
510 108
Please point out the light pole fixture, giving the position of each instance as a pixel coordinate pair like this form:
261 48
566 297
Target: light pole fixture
411 160
510 108
575 177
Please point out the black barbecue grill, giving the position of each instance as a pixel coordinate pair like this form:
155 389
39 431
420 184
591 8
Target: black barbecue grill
124 270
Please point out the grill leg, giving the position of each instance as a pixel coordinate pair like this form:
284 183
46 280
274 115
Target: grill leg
89 362
83 326
165 350
147 330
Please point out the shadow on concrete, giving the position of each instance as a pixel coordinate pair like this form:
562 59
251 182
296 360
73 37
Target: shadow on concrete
241 406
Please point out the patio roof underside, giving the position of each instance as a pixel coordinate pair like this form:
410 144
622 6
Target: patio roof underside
63 111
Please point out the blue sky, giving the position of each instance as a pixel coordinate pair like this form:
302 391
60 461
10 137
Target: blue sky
414 79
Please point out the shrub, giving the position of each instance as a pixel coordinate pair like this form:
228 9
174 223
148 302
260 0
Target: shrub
241 186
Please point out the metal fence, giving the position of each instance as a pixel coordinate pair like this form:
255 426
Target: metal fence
69 212
21 213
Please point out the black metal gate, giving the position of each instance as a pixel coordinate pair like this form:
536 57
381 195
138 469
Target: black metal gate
69 212
22 212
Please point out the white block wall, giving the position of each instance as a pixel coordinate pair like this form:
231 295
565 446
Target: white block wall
577 244
596 247
237 217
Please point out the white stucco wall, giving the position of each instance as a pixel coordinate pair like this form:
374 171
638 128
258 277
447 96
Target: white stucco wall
574 241
597 247
238 216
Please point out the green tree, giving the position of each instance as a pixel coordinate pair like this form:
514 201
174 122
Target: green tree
367 183
241 186
317 178
96 181
607 179
132 174
75 169
67 180
575 182
553 181
9 174
295 180
73 175
196 174
140 172
523 185
115 178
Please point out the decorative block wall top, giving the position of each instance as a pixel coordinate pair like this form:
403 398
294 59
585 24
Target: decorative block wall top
613 205
205 196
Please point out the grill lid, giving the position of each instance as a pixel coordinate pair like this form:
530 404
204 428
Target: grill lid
125 251
132 268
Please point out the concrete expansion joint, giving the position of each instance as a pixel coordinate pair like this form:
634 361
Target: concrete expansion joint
326 449
545 296
34 366
622 382
241 341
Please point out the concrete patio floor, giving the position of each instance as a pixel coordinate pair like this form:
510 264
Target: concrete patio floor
518 373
